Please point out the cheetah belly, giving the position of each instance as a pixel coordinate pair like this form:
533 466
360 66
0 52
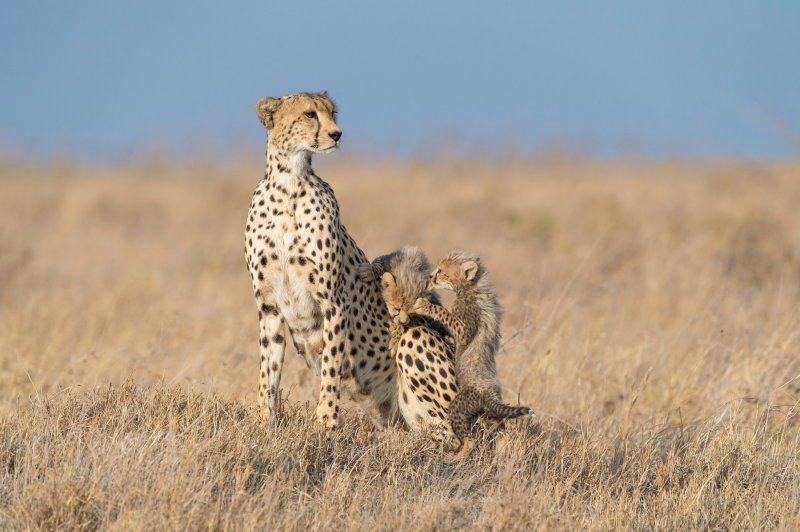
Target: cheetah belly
304 319
411 407
299 308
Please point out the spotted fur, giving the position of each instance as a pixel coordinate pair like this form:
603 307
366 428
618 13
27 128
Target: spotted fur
302 263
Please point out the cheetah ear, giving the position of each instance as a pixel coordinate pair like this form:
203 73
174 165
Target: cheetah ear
470 269
265 108
324 94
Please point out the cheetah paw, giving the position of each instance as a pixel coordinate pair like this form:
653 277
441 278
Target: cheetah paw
328 414
267 415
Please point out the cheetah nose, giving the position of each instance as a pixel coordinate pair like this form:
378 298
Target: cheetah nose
335 135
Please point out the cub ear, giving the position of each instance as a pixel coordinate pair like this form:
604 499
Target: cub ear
324 94
469 269
387 280
265 108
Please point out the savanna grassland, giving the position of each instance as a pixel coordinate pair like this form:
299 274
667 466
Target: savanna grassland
652 321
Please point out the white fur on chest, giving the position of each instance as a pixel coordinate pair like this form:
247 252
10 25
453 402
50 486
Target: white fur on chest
291 289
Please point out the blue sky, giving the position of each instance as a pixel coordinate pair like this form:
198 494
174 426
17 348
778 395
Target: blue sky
697 79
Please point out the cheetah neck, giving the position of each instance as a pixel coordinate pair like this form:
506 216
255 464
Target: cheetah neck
289 170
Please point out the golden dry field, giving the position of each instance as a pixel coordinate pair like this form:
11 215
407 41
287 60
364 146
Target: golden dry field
652 321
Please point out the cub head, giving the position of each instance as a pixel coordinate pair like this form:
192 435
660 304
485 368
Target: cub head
403 276
456 270
394 298
301 122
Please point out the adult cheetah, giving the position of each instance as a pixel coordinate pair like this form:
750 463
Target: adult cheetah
302 263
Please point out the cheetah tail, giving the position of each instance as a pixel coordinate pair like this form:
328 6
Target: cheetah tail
501 410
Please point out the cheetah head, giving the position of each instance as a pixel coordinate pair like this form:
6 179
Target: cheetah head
302 122
455 270
393 295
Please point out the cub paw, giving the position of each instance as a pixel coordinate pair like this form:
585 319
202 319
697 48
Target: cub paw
367 272
402 318
463 452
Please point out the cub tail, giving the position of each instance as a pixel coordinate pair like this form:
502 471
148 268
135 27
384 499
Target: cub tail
501 410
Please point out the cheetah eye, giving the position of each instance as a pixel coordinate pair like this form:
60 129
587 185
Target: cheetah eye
310 114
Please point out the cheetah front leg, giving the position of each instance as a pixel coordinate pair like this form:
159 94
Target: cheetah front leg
426 308
396 330
334 327
272 347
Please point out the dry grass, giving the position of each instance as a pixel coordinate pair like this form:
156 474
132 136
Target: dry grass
652 319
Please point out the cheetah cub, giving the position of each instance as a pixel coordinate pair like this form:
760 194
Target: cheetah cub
404 279
423 348
475 324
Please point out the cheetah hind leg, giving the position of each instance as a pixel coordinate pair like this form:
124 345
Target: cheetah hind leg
467 405
463 410
381 416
